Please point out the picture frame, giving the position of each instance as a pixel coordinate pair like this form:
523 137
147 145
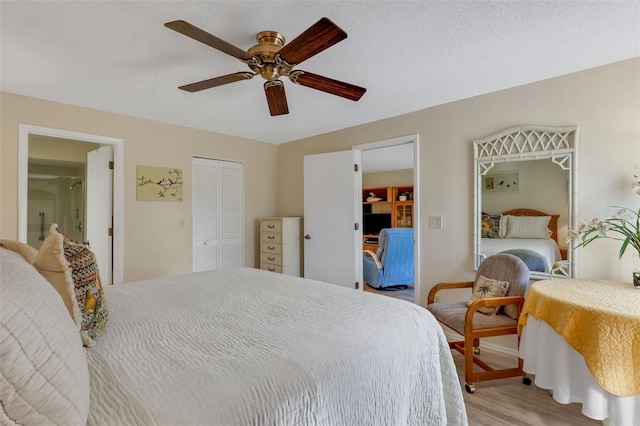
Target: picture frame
501 182
158 183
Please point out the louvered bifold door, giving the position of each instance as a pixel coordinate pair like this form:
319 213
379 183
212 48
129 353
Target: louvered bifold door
205 214
231 215
218 214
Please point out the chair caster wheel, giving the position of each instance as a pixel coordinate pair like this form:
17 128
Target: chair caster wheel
470 388
526 380
476 350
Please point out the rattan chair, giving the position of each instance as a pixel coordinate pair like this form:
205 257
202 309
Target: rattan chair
473 325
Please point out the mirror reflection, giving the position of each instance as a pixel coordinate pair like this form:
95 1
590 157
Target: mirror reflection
525 212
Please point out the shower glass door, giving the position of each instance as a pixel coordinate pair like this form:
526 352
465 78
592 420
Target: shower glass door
55 195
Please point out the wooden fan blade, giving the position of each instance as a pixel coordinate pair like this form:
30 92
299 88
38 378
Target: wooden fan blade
318 37
210 40
276 97
328 85
217 81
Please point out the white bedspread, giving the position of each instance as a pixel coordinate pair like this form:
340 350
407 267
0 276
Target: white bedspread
546 247
245 346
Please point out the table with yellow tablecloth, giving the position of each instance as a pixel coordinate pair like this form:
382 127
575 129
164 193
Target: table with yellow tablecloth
599 323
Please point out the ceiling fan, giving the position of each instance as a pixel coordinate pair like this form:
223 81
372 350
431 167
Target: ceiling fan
272 59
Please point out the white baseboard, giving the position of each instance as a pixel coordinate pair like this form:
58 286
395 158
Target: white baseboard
451 336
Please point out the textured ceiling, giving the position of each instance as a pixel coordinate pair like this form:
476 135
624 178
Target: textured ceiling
118 56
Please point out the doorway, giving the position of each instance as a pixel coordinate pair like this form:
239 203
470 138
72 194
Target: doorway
397 154
55 194
27 133
333 205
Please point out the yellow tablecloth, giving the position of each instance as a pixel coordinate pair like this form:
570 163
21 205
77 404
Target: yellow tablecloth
600 320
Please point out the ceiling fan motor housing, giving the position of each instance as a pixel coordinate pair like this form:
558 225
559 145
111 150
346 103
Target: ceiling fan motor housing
269 44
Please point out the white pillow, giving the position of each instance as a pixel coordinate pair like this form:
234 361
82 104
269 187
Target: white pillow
44 372
503 225
527 226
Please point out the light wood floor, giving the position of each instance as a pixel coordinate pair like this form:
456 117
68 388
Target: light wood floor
511 402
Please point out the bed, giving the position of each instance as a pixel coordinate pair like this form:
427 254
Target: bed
224 347
498 237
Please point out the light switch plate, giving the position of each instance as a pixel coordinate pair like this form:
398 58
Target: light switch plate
435 222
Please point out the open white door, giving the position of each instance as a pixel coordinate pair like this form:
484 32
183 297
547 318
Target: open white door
332 208
100 209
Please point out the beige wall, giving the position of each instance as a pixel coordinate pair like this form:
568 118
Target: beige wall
45 147
390 178
153 243
604 102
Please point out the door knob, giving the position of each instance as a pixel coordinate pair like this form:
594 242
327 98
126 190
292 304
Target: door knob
307 237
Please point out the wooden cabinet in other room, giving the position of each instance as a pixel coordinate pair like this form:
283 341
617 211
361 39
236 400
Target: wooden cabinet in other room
280 245
385 207
403 214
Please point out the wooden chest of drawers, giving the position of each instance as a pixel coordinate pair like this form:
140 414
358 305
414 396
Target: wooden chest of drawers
280 245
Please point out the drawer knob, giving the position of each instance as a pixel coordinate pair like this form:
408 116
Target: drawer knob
271 226
271 248
271 237
307 237
272 269
271 258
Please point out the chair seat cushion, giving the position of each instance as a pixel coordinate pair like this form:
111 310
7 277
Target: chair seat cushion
452 315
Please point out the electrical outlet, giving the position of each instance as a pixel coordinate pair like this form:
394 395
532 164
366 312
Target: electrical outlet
435 222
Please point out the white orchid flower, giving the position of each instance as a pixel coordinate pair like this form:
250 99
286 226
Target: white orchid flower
635 185
621 225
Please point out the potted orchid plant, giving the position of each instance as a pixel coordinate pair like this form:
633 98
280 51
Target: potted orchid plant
623 225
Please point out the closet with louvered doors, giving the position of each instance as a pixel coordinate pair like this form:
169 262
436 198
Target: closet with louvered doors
218 214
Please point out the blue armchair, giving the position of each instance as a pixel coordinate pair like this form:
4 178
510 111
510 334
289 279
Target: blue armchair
392 265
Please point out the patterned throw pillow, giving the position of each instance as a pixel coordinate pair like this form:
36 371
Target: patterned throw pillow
491 226
72 270
486 288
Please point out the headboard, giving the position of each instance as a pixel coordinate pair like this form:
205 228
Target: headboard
553 223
